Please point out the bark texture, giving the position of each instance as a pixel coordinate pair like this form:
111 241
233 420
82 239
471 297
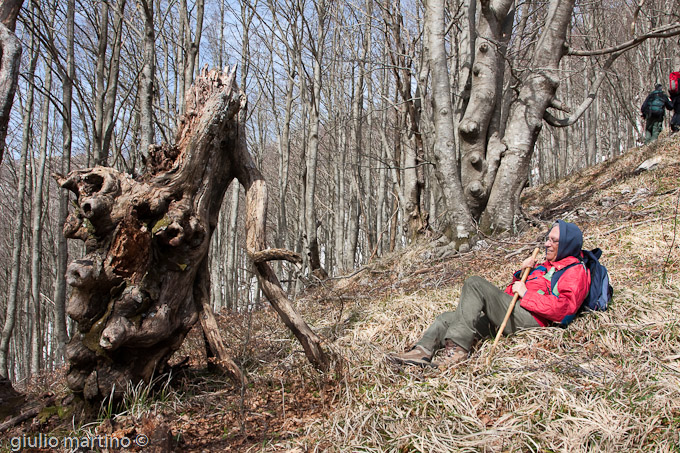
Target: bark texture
143 281
10 57
460 223
526 120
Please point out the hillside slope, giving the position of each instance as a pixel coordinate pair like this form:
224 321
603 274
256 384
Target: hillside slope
610 382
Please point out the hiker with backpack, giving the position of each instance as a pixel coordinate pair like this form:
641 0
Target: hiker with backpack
674 91
653 112
675 120
544 300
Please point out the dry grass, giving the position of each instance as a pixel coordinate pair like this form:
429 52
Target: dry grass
610 382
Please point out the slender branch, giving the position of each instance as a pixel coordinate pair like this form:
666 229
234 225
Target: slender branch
665 31
564 122
635 16
28 414
262 256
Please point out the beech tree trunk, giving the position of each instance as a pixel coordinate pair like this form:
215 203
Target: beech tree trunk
68 76
107 74
13 295
37 339
459 223
146 80
10 57
142 283
416 221
495 147
526 120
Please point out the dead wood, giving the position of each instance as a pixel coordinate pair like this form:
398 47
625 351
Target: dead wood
211 330
143 280
10 400
27 414
276 254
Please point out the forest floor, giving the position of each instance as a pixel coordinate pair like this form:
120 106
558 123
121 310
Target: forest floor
609 382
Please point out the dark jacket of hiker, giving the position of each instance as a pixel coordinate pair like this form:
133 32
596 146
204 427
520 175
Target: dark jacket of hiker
656 101
675 121
572 287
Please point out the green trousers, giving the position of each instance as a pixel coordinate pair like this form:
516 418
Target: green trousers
653 129
480 312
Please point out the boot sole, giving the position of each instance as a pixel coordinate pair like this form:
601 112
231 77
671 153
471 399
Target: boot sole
417 362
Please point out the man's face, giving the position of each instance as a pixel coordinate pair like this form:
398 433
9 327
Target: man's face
551 243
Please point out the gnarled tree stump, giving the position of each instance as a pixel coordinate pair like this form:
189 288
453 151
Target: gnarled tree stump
144 278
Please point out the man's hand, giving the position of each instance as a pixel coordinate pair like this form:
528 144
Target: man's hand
528 263
519 288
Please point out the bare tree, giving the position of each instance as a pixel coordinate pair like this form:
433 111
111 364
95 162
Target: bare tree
312 89
401 61
17 241
37 340
106 80
190 47
67 76
497 133
147 79
10 53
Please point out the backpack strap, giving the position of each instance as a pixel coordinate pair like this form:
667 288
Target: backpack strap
518 274
557 274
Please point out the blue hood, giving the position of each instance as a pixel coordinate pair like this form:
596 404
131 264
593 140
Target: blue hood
571 240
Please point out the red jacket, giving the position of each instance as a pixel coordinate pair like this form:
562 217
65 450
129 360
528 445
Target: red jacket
572 288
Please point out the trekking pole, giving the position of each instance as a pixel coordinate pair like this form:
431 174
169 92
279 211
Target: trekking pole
525 274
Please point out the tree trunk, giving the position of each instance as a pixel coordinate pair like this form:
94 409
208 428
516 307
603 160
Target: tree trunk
109 111
256 216
339 249
526 120
146 81
37 340
99 156
10 58
12 297
146 242
415 219
106 82
459 223
232 253
216 347
284 163
67 134
191 46
484 103
311 225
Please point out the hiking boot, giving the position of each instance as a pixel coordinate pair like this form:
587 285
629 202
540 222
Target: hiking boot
417 356
452 354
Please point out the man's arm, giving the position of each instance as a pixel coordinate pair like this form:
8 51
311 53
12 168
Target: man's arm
667 102
573 288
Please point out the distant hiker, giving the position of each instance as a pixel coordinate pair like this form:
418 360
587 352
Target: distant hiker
674 91
482 305
653 112
675 120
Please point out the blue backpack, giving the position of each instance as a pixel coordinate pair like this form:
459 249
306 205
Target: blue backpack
600 292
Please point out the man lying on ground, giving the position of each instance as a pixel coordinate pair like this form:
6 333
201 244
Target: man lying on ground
483 306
